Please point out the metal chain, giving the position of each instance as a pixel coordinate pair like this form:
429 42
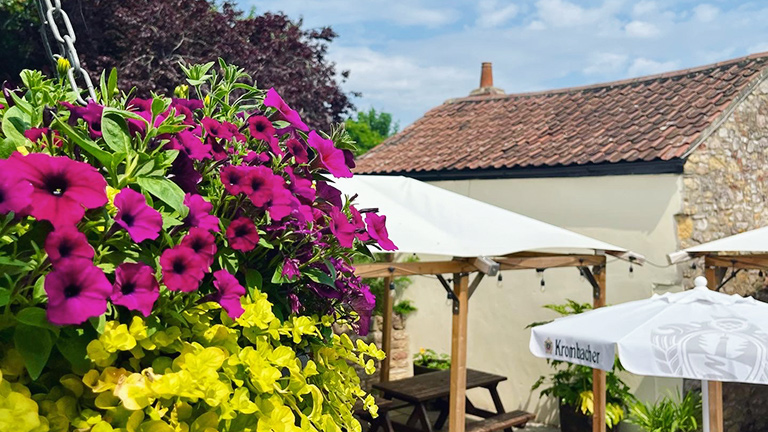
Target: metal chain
49 11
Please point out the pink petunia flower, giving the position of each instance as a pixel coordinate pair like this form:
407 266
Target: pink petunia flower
182 268
329 193
328 156
341 228
259 185
200 213
235 179
91 115
253 158
184 174
14 193
242 234
135 287
298 150
273 100
291 268
281 202
378 230
37 134
67 242
216 129
364 304
62 188
261 129
357 221
229 293
202 242
133 214
77 290
190 144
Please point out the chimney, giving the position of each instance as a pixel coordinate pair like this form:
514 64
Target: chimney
486 82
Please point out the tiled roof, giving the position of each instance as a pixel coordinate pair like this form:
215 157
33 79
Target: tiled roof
654 118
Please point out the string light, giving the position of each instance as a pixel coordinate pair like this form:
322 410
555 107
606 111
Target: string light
499 281
540 274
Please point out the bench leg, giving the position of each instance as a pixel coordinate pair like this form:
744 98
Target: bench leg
421 411
497 404
443 417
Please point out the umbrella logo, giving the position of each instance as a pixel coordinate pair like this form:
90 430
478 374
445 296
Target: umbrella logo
548 346
723 349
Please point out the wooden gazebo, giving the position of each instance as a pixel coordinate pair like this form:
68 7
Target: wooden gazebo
745 251
480 240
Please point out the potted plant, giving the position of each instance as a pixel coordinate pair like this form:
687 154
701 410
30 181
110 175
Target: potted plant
669 414
427 360
177 264
571 385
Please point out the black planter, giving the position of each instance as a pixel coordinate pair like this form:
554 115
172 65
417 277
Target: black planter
572 420
419 370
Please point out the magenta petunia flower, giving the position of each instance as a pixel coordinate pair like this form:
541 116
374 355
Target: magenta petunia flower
202 242
378 230
235 131
14 193
242 234
341 228
357 221
253 158
281 202
67 242
364 304
261 129
298 150
182 268
77 290
190 104
329 194
229 293
37 134
259 185
328 156
301 187
200 213
62 188
190 144
216 129
273 100
291 268
133 214
91 115
235 179
135 287
184 174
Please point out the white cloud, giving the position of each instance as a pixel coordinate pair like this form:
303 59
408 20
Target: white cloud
562 13
605 64
641 29
537 25
493 13
705 13
643 66
645 8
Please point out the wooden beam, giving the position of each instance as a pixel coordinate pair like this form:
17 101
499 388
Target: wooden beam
386 331
756 261
475 283
598 375
550 261
374 270
457 406
715 398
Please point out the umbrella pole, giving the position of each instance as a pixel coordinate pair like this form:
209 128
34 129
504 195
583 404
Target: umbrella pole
598 375
705 405
458 398
712 400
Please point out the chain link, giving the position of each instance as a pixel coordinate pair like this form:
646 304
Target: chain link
49 11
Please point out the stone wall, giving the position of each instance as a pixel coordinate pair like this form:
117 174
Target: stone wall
725 192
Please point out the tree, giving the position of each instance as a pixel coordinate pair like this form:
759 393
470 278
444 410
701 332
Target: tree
146 39
370 129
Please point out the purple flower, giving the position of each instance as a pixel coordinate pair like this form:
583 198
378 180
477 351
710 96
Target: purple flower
298 150
67 242
329 193
135 287
242 234
62 188
281 202
328 156
235 179
229 293
202 242
190 104
91 115
293 299
182 269
259 185
341 228
77 290
133 214
218 129
301 187
291 268
363 304
273 100
261 128
183 173
190 144
200 213
37 134
378 230
253 158
14 193
357 221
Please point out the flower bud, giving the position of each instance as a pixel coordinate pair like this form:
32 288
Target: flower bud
62 66
181 91
48 115
7 95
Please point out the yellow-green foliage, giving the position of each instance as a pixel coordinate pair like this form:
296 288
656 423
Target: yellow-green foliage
199 372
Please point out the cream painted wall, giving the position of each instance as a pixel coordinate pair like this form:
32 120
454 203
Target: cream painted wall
635 212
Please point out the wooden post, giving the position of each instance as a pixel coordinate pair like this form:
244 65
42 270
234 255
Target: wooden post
598 375
715 387
459 354
386 331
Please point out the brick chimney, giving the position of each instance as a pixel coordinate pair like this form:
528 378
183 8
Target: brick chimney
486 82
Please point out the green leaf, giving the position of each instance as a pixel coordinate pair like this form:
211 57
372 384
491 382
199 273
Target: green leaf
115 132
35 345
265 244
35 317
7 147
98 323
166 190
15 122
112 82
253 281
5 296
5 261
88 145
320 276
169 221
73 347
277 276
38 293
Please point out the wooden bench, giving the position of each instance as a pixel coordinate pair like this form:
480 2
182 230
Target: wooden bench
501 421
382 421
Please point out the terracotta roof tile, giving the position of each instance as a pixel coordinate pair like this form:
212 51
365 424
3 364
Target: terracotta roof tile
643 119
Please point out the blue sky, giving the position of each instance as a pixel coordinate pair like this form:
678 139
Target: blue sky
407 56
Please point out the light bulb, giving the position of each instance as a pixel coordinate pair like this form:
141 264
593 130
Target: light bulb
499 281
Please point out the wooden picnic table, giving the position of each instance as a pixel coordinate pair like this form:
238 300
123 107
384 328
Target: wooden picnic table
435 386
